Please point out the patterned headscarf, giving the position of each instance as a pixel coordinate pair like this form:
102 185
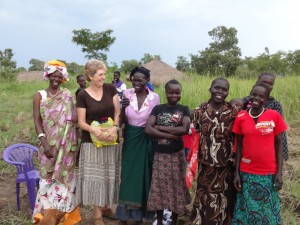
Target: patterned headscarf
54 65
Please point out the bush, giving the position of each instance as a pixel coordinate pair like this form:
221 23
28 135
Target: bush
8 74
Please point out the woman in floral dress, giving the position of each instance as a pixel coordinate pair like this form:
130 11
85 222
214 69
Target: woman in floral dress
54 116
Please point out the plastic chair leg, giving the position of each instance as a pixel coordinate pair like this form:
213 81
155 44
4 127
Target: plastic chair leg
18 195
31 193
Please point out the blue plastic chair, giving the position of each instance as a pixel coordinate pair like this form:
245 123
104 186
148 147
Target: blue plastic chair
21 155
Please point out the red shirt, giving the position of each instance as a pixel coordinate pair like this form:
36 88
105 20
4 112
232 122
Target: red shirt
258 153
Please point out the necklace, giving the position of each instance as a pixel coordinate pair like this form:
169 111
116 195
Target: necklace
51 95
263 109
217 111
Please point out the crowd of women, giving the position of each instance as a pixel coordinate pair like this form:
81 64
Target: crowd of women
240 154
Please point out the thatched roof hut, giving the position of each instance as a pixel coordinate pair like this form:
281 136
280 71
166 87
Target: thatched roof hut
161 72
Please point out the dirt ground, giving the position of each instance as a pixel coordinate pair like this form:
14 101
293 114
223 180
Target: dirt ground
8 203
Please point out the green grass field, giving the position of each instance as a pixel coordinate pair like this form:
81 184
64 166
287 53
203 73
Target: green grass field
16 123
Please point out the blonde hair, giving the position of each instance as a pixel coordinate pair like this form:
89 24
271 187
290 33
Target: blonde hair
91 67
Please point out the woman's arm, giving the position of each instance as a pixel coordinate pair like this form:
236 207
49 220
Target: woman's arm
116 102
178 131
150 130
278 150
112 132
125 102
96 131
238 157
38 125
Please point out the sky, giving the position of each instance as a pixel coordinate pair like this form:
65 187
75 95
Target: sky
42 29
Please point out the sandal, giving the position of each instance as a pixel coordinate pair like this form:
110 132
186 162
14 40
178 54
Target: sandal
98 221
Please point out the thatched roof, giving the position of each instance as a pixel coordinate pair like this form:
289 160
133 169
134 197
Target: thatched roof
161 72
30 75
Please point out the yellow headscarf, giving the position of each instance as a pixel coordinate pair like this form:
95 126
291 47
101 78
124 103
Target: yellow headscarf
54 65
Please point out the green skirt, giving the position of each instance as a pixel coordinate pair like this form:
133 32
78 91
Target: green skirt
258 202
137 157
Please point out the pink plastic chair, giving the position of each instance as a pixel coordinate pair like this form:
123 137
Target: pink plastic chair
21 155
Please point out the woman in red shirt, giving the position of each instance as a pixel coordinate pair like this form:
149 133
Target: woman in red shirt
258 175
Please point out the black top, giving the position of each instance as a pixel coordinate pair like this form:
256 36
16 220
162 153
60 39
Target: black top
97 110
169 116
78 90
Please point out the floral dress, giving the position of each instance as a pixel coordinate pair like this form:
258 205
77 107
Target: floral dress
57 183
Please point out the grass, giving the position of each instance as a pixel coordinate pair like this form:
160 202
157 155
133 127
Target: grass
10 216
16 125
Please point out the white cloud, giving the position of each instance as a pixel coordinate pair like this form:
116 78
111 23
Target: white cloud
43 29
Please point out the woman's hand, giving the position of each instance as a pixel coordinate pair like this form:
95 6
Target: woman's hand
277 181
125 102
237 182
175 137
97 132
47 149
111 134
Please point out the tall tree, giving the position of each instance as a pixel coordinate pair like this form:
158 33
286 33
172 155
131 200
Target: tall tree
148 57
128 65
6 58
94 44
36 65
74 68
222 55
182 64
293 62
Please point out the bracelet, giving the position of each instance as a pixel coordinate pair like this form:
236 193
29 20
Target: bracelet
42 135
117 126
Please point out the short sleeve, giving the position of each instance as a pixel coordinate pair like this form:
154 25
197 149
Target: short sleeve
156 99
81 103
237 128
186 111
112 89
123 87
280 125
155 110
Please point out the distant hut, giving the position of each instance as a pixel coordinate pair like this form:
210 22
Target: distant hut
30 75
161 72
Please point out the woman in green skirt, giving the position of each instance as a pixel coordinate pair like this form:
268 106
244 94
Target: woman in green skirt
258 175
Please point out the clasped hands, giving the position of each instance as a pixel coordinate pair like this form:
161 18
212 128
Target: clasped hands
104 134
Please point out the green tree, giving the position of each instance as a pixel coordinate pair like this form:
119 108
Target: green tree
36 65
182 64
293 62
222 55
6 58
148 57
128 65
74 68
94 44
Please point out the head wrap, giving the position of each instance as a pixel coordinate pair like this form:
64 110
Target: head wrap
54 65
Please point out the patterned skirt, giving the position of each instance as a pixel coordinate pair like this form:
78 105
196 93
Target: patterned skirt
168 188
215 196
99 175
55 195
258 203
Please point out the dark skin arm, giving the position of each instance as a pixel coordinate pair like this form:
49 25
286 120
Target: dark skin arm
150 130
238 157
178 131
38 125
279 158
125 103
